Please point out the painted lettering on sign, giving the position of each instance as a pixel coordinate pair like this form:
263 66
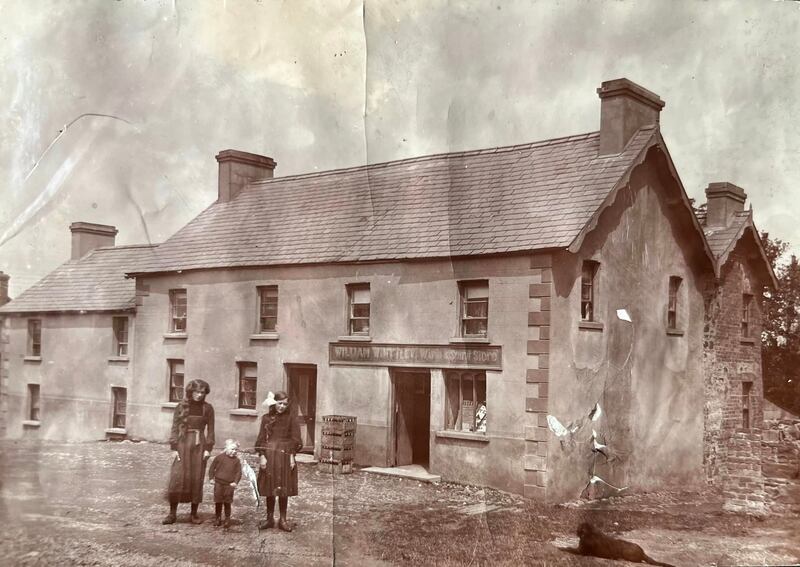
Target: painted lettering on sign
444 356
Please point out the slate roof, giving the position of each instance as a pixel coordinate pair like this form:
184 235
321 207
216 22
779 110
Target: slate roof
722 240
96 282
518 198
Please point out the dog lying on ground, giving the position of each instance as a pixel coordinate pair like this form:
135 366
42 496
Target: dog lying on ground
595 543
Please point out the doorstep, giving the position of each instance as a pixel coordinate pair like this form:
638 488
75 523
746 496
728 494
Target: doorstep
413 472
305 458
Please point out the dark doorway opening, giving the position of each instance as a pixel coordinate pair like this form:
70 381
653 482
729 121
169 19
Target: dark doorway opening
412 417
302 388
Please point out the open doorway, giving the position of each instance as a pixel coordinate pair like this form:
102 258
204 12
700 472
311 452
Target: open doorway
302 388
412 417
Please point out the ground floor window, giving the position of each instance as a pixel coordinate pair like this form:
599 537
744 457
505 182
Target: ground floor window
175 379
33 402
119 409
248 381
466 401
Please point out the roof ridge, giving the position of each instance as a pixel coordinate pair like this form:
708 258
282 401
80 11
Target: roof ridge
430 157
126 247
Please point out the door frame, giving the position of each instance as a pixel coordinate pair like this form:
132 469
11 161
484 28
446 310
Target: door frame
287 368
391 439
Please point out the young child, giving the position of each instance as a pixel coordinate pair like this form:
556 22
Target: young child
225 473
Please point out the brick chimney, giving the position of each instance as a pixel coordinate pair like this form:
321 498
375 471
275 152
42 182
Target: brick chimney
723 201
624 108
4 289
87 236
236 169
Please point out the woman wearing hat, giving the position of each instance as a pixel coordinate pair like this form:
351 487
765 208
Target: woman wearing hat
278 442
191 440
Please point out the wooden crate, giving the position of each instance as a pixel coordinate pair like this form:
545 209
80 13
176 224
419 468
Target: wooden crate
335 468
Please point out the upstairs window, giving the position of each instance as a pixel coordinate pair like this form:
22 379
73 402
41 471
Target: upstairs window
175 367
120 325
34 337
358 298
33 402
267 308
589 290
177 310
466 401
474 308
672 302
248 382
747 314
119 409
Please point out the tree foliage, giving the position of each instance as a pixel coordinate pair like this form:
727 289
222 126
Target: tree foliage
781 329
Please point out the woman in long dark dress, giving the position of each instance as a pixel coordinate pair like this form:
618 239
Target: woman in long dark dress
191 439
278 442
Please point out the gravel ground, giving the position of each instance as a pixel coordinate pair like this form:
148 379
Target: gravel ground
102 504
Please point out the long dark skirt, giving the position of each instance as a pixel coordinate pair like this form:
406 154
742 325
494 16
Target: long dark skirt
278 479
187 474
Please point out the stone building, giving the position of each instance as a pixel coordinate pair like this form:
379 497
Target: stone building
528 317
69 342
734 396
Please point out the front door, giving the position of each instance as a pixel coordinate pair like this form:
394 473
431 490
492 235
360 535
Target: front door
303 390
412 417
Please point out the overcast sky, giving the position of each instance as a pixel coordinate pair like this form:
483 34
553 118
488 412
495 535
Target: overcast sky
323 85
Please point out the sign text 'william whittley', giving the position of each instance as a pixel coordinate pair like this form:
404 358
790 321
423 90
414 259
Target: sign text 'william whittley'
436 356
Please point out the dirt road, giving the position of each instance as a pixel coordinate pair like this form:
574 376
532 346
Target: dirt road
102 504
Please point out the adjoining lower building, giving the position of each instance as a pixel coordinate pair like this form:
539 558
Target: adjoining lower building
69 343
529 318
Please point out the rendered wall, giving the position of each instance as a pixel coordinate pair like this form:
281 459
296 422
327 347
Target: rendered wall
411 303
75 374
648 382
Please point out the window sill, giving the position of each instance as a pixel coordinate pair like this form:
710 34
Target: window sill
356 338
116 431
747 340
124 359
674 332
176 335
169 405
244 412
32 359
31 423
590 325
463 435
470 340
264 337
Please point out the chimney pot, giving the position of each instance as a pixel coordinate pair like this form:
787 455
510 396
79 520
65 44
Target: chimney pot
724 200
4 288
625 107
87 236
237 169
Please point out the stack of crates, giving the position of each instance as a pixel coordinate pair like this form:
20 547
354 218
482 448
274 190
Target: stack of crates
338 443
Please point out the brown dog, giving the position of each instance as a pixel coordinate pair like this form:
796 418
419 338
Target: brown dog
594 542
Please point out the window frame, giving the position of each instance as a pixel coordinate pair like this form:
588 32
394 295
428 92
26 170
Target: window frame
121 347
747 316
34 402
261 291
242 379
454 421
119 396
464 287
172 366
352 289
34 337
589 298
174 307
747 398
673 302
